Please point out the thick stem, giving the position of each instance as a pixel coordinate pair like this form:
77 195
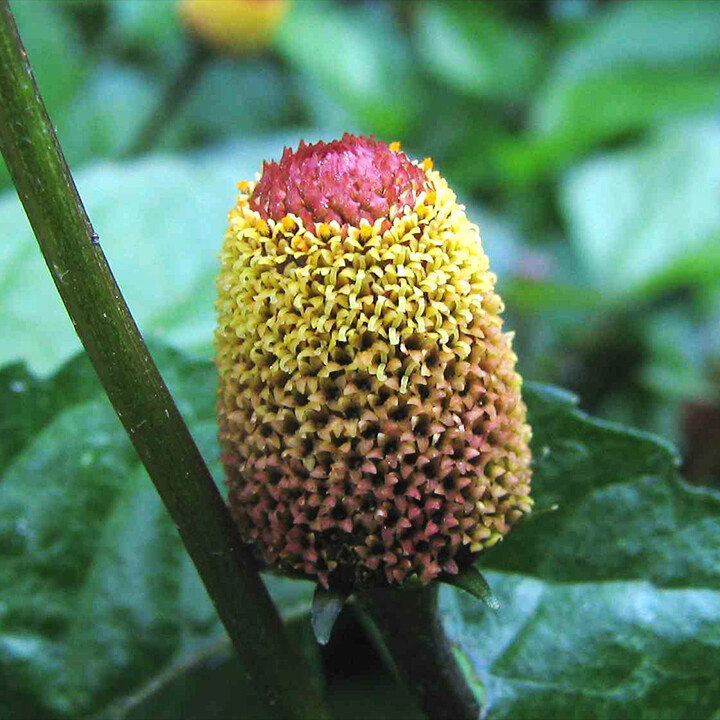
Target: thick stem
409 624
76 261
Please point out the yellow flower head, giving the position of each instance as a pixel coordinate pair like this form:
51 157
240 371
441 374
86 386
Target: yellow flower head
370 415
236 26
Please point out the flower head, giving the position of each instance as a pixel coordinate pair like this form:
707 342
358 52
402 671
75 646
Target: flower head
370 415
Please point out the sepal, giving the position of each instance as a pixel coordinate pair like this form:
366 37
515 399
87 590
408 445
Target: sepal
326 607
472 581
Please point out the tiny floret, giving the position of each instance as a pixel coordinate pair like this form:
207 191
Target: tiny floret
371 422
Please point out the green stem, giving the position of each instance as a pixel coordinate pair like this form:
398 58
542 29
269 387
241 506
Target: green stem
174 95
409 625
93 300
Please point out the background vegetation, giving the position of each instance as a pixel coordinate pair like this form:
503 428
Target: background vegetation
584 137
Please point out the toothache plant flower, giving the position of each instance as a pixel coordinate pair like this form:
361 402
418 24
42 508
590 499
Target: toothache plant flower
371 422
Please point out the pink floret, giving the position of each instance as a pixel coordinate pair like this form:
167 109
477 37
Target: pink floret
347 180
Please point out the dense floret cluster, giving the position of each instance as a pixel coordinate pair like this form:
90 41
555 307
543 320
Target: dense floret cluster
347 181
370 412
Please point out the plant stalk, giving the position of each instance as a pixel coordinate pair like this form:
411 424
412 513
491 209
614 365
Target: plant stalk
409 624
111 339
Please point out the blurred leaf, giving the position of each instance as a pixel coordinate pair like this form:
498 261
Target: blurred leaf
676 366
538 295
643 35
611 605
161 220
57 56
647 219
96 591
106 113
148 29
358 55
470 47
462 139
54 50
640 64
204 685
207 684
325 110
231 98
700 269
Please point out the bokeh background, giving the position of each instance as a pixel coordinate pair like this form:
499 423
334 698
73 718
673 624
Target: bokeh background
583 136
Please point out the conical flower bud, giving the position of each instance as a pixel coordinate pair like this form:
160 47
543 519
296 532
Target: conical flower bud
370 415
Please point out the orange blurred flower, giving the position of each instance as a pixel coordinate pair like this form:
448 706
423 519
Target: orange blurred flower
236 26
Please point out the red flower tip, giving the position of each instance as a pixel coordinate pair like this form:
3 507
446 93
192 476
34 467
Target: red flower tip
347 180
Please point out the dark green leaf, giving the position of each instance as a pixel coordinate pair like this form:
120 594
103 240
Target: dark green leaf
96 591
208 684
611 605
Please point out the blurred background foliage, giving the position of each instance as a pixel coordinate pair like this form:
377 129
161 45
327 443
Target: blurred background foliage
584 137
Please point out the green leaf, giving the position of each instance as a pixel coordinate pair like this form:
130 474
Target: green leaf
638 65
648 219
149 29
97 593
470 47
611 605
358 56
216 110
161 239
676 367
208 684
106 113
